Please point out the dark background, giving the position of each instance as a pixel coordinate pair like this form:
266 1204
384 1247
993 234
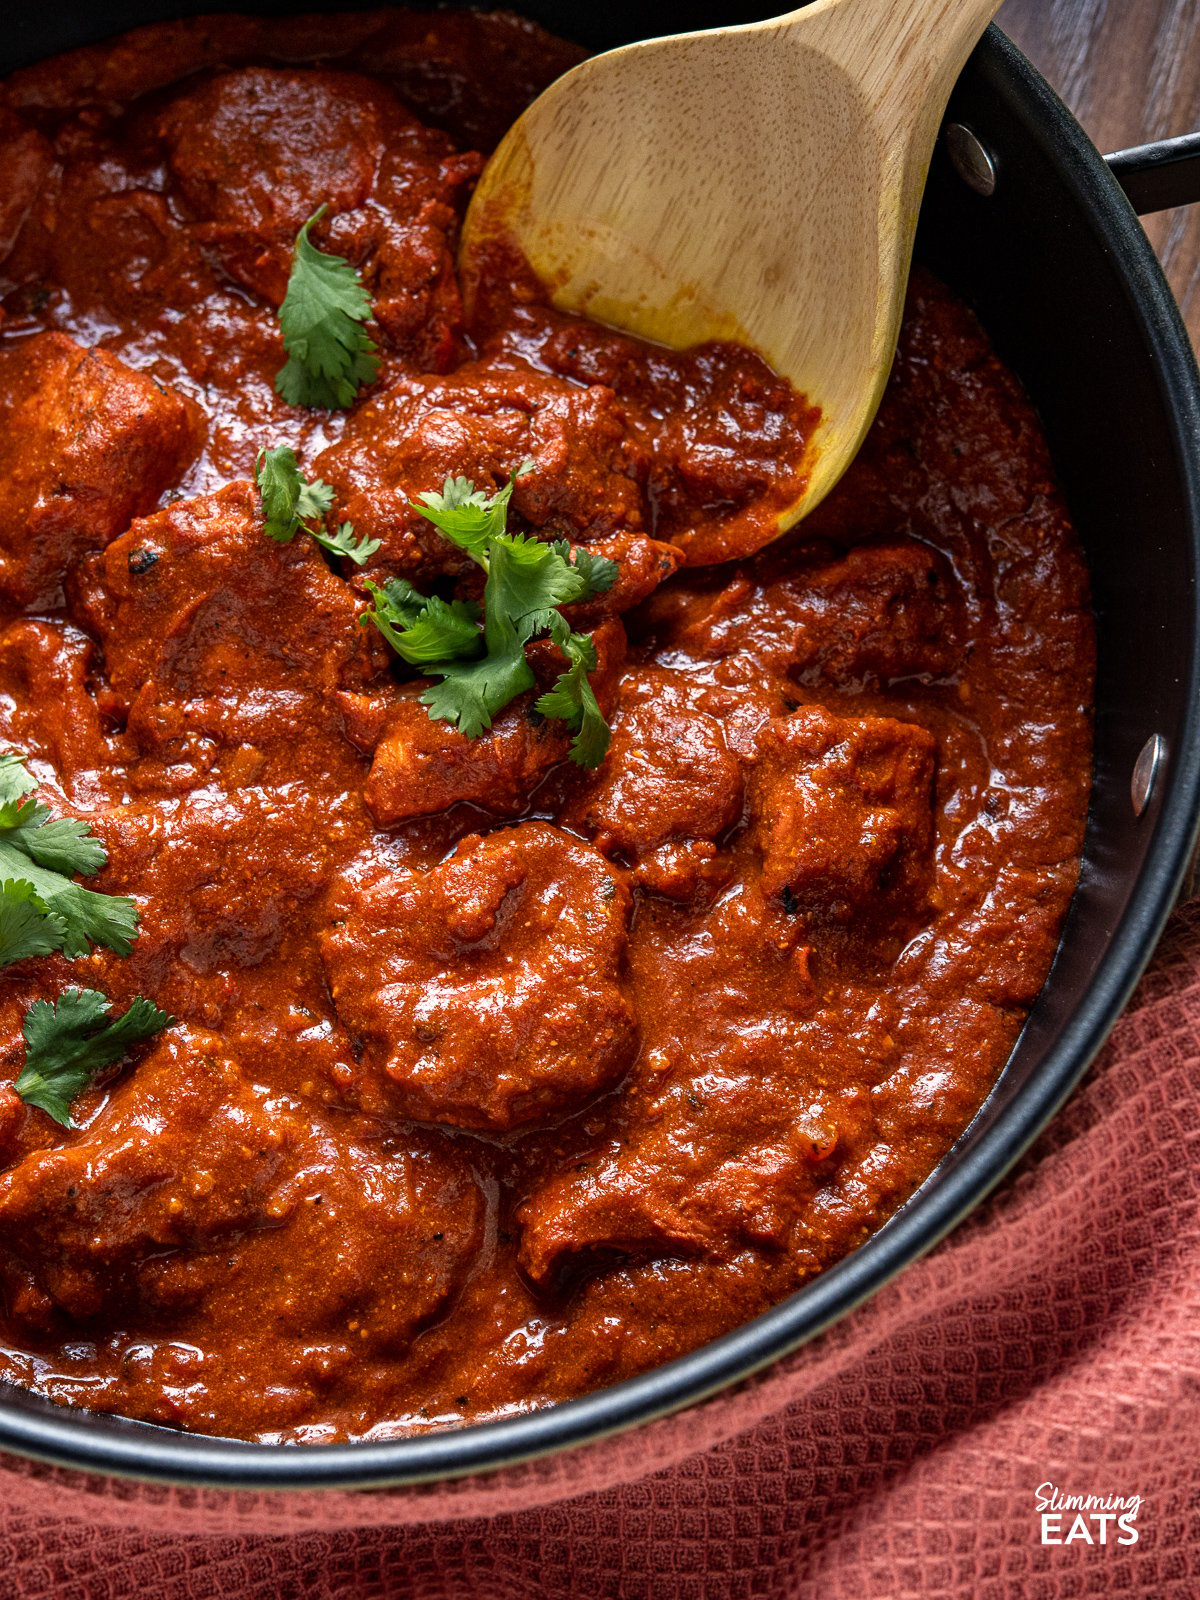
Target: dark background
1130 71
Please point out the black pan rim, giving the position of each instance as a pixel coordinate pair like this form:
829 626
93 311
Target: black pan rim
62 1437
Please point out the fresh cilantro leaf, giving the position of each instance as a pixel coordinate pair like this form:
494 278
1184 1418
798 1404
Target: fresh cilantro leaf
69 1041
330 353
527 580
15 784
422 631
344 543
290 502
92 918
482 670
447 630
24 929
573 699
65 845
37 858
598 572
472 692
468 517
397 606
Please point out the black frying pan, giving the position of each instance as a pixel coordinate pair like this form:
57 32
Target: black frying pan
1058 268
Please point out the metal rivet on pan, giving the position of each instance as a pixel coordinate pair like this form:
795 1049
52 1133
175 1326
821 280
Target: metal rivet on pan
1145 770
971 161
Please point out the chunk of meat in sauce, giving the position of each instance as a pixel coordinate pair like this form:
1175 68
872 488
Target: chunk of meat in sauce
844 810
215 635
490 990
719 435
256 151
642 564
220 880
86 1216
46 708
85 445
189 1157
482 426
668 775
379 1235
725 1130
720 1162
884 611
261 148
423 766
102 245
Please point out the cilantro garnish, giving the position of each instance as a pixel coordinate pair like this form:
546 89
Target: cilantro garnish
482 661
68 1041
468 517
41 908
423 630
289 503
342 542
287 500
330 353
572 698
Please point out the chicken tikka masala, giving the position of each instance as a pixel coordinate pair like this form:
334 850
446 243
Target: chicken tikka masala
480 916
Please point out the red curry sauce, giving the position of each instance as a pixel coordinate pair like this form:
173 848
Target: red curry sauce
493 1081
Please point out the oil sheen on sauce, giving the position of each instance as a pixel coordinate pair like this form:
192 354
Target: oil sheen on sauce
493 1081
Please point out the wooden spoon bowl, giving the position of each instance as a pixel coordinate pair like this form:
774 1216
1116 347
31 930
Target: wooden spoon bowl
758 183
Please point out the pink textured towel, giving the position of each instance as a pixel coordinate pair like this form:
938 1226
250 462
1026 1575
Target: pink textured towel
1052 1343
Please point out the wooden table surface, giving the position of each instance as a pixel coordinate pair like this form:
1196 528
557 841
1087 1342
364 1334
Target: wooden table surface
1130 71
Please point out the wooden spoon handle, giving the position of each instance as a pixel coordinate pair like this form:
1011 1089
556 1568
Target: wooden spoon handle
904 55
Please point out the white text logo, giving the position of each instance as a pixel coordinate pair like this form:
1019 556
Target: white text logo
1087 1518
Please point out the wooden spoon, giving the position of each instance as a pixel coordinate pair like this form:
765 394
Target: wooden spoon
757 183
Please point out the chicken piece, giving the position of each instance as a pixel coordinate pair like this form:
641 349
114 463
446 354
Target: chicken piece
423 766
712 501
256 151
220 880
188 1157
198 597
668 1196
85 1213
86 443
723 1162
844 809
667 776
730 1123
46 709
685 871
882 612
261 148
642 564
490 990
215 634
482 425
380 1232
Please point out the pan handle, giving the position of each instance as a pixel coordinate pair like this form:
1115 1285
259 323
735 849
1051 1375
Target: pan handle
1161 175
